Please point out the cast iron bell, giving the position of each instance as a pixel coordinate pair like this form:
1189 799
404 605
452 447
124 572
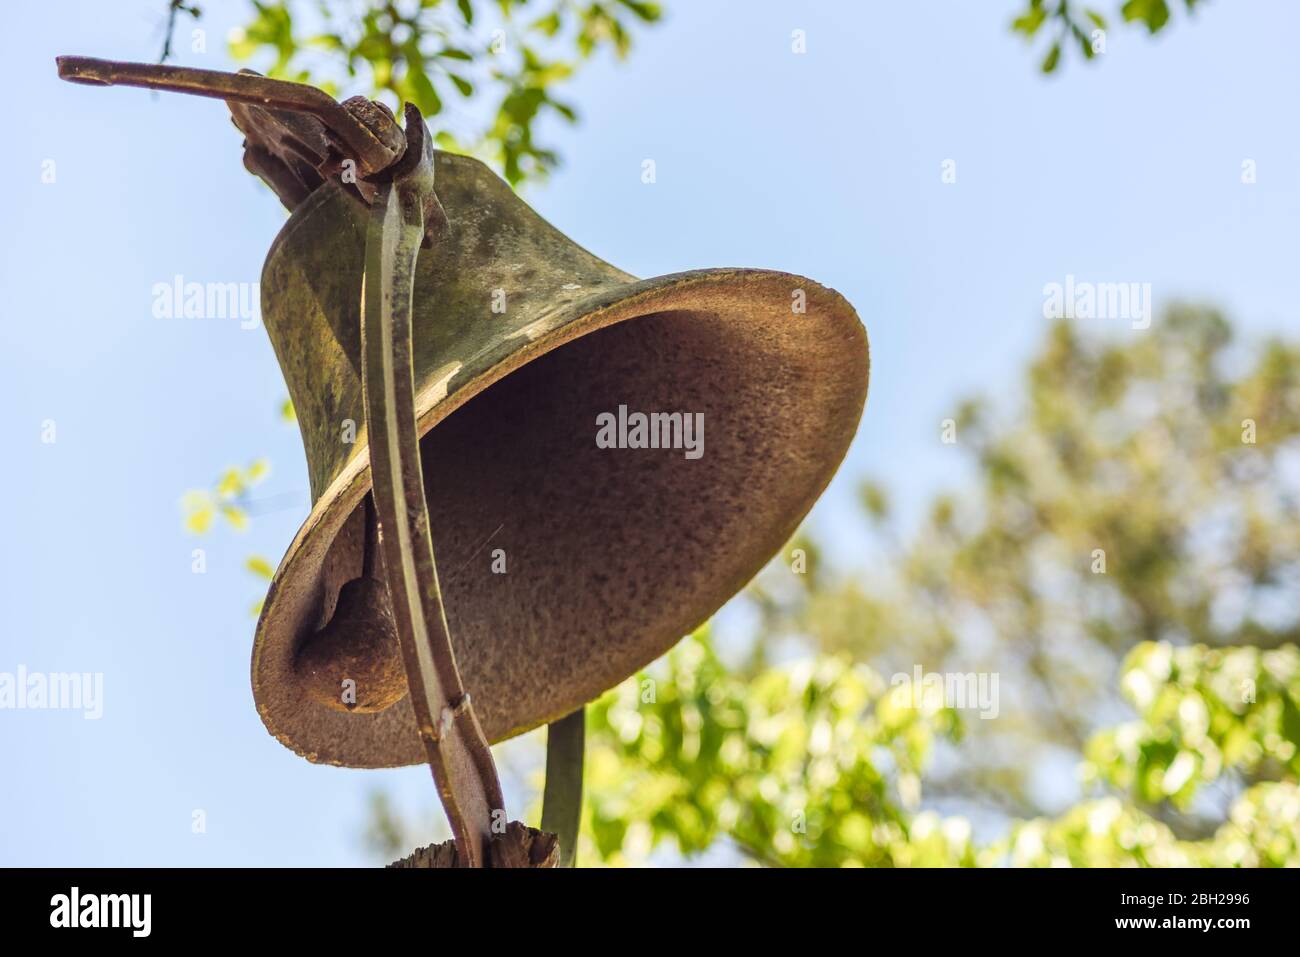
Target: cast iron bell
598 462
610 556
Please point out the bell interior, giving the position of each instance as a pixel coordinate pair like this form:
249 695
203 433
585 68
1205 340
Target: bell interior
566 566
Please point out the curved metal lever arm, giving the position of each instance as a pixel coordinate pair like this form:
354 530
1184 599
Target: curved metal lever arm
295 135
375 145
454 741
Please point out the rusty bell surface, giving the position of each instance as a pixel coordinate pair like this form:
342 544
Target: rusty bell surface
565 564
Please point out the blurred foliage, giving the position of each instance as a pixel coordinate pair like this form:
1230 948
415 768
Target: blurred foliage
814 765
1145 490
1261 832
1070 25
1203 713
820 764
228 498
1127 540
484 74
1215 726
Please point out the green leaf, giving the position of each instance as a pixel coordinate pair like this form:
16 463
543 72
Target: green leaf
549 24
231 483
1029 21
874 499
236 516
1052 59
259 566
199 511
1084 41
422 92
565 110
648 12
1154 13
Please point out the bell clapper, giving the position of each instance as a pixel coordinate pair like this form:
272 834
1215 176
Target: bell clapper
354 663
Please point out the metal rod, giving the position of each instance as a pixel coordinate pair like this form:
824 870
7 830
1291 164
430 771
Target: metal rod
562 797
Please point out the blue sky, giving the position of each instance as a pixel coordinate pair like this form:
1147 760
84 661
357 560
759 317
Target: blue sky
826 164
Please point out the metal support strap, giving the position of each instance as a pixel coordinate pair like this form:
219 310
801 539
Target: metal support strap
453 739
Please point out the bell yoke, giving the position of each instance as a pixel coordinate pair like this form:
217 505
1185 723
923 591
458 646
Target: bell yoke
485 364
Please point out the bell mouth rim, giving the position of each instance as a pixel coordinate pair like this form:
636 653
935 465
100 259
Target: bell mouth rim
681 291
